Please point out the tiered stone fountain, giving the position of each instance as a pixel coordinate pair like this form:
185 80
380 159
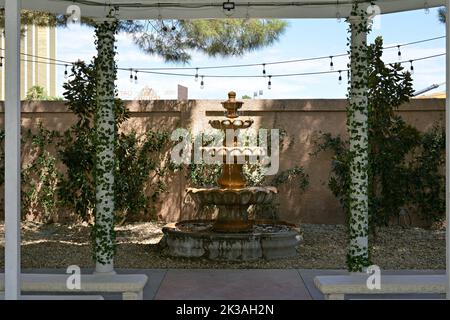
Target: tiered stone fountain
232 235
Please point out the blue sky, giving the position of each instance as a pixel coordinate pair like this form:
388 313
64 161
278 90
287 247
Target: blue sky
303 38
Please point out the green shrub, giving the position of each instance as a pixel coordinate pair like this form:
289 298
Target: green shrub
404 164
201 175
140 161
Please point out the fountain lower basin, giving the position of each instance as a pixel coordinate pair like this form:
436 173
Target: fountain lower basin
267 239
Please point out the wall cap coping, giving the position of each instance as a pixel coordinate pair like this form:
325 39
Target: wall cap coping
262 105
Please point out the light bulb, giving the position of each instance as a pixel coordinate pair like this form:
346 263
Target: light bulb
426 6
228 8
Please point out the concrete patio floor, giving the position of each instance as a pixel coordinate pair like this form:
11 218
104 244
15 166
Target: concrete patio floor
238 284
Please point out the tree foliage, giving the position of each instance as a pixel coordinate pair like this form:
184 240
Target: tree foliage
38 18
174 40
38 93
442 15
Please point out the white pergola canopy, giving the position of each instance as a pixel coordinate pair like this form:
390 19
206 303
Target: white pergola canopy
196 9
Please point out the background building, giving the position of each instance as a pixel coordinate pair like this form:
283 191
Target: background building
38 45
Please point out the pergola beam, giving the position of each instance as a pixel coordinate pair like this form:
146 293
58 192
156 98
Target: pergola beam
12 150
212 9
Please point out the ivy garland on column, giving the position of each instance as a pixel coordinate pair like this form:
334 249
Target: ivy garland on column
105 138
357 124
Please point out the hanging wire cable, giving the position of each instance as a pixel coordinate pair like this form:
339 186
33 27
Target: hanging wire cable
45 58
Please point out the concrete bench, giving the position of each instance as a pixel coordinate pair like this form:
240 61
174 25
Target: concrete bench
130 285
335 287
57 297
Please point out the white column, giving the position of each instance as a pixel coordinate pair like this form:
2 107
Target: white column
105 32
12 149
357 123
447 171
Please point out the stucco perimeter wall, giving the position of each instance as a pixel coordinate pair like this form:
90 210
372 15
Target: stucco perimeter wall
301 119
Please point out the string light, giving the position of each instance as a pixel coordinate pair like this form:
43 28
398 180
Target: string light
65 72
286 61
163 28
340 76
135 77
391 64
66 64
426 7
228 8
338 14
202 84
269 84
247 15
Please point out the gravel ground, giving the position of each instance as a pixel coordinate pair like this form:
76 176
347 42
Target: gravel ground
323 247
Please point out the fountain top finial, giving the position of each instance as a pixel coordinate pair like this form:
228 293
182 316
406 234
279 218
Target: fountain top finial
231 105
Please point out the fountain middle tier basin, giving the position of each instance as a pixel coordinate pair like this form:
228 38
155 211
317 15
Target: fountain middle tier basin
197 239
232 205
